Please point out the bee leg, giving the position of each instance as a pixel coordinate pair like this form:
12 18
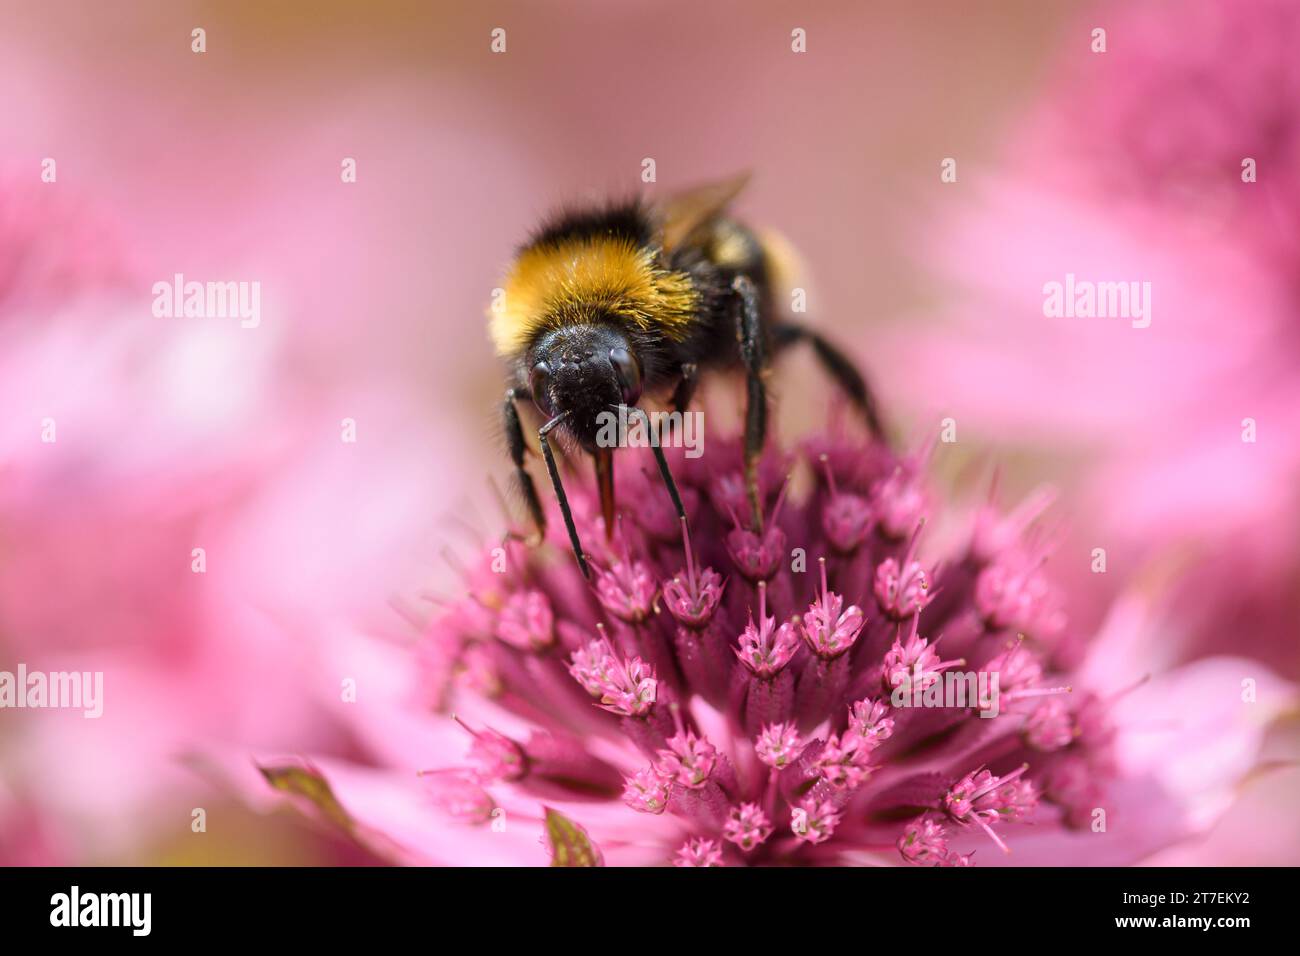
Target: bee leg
840 367
685 389
516 446
560 495
753 353
664 471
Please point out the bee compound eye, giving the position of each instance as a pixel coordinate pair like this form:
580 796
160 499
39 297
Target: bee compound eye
629 374
539 383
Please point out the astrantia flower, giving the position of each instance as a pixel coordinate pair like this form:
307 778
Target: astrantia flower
767 742
723 695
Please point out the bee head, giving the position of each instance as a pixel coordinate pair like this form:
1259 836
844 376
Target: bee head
580 371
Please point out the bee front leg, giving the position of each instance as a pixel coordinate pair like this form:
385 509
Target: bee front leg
558 485
515 444
685 389
753 353
664 471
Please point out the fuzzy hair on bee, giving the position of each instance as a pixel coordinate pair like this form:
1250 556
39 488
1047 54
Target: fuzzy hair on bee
607 304
588 267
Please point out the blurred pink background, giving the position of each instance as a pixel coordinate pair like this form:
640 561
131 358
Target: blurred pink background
182 433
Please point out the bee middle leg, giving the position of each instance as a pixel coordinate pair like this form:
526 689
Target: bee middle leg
753 354
515 444
686 385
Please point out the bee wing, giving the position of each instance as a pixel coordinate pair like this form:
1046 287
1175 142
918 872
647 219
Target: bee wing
682 216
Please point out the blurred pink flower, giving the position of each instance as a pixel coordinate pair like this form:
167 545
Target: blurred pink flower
118 442
173 435
126 442
27 836
1131 169
660 715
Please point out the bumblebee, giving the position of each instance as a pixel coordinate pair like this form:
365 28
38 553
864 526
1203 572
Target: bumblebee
606 305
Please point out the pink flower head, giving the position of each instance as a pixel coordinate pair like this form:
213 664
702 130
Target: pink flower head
526 621
1018 673
842 762
829 627
913 665
699 852
647 791
747 826
693 595
765 649
847 517
1016 667
627 589
688 760
923 842
593 666
984 799
757 556
901 592
869 719
628 688
813 821
902 588
778 745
